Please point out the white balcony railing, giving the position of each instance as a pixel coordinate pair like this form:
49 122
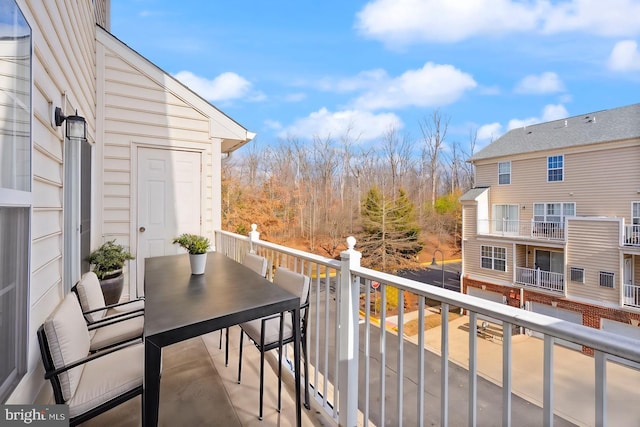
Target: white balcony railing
351 357
632 235
528 229
631 295
540 279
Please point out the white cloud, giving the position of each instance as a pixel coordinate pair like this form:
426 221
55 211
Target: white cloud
364 124
612 18
540 84
431 85
404 22
549 113
225 87
401 22
624 56
489 132
492 131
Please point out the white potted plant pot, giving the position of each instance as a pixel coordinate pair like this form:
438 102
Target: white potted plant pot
198 263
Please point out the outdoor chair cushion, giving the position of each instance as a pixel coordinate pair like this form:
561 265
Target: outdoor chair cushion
107 377
90 295
271 329
123 330
256 263
68 341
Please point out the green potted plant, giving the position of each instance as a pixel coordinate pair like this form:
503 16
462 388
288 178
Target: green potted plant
197 247
107 262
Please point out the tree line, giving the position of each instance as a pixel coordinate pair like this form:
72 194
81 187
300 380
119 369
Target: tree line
395 196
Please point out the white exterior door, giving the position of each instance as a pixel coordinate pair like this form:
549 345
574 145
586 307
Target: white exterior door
169 202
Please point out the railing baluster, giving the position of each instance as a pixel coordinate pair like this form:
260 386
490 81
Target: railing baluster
367 347
444 360
506 374
473 369
547 400
600 360
383 358
400 355
421 360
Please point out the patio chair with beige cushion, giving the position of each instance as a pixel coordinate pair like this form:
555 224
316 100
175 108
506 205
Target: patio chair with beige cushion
108 325
93 304
258 264
89 384
269 333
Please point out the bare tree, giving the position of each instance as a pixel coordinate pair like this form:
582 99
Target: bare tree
434 133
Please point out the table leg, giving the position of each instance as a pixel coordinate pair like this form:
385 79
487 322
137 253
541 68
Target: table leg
296 363
151 384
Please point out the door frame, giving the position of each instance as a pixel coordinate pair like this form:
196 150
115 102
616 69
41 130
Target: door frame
134 286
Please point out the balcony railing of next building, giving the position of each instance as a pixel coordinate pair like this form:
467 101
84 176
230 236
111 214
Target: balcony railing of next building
632 235
351 357
538 278
544 230
528 229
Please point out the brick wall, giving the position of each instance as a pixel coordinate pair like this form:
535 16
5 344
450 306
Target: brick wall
591 313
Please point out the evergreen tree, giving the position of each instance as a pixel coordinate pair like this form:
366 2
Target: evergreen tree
390 232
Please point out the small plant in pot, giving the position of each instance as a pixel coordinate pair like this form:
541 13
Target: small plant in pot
197 247
107 262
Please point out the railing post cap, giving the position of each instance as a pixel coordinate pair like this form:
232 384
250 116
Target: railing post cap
254 227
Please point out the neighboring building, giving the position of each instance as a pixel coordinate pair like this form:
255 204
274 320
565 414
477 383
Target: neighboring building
553 224
149 168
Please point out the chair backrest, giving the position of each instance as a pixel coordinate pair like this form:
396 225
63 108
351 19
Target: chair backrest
90 295
65 340
296 283
256 262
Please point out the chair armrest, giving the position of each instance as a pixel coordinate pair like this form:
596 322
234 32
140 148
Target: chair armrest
119 304
49 374
110 320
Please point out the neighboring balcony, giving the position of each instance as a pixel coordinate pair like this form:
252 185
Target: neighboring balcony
525 229
632 235
540 279
632 295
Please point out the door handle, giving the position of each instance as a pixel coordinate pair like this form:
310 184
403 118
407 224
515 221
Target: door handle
142 229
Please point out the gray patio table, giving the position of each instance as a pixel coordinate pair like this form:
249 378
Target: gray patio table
179 306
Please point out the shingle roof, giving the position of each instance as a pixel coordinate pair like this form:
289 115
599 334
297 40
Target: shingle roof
473 193
601 126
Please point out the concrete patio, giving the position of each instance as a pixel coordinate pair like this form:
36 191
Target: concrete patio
198 390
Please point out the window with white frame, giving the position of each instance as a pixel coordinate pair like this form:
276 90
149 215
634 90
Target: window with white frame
553 212
555 168
506 218
15 194
576 274
504 173
493 258
635 213
607 280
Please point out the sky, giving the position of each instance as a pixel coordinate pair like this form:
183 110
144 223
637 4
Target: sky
327 69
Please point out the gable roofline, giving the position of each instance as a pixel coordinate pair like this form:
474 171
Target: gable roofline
232 134
616 124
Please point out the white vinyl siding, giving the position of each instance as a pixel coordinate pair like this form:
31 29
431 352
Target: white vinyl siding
63 71
586 237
